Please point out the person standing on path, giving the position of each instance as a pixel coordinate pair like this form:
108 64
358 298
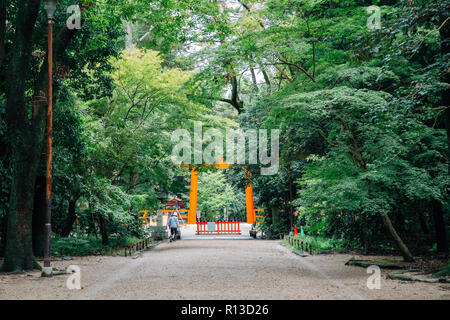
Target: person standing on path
173 224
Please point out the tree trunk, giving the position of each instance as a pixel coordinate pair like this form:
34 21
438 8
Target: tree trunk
439 224
407 256
2 29
23 138
103 230
129 36
423 222
25 152
399 221
445 50
70 219
39 216
266 78
25 135
19 249
255 83
291 211
441 232
3 235
235 95
275 214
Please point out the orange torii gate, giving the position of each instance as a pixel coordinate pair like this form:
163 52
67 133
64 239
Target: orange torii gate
192 213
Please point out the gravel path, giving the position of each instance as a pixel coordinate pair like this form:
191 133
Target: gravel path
216 269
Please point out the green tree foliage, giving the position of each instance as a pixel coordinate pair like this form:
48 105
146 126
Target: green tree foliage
128 159
363 114
357 109
82 63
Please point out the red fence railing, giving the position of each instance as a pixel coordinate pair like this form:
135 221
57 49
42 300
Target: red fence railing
221 228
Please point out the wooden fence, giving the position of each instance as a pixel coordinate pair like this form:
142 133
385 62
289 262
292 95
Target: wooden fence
141 245
232 227
298 244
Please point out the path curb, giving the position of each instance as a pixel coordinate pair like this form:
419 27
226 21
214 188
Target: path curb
152 246
399 275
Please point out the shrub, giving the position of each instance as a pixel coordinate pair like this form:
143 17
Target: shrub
88 245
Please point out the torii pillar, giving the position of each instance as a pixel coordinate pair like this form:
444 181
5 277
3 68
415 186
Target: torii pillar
249 203
192 213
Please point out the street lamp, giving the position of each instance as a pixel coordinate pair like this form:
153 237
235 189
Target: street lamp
50 8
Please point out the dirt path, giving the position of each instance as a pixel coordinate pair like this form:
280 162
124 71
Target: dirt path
216 269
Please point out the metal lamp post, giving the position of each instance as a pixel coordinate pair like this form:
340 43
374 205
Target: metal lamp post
50 8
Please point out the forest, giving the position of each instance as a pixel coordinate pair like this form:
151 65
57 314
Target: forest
359 90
